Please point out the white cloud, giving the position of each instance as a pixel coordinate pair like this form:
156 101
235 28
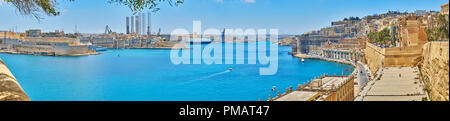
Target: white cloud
248 1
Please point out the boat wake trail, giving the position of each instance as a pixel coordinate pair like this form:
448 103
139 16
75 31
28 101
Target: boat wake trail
208 77
213 75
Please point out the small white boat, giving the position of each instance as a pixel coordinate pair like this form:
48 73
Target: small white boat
303 60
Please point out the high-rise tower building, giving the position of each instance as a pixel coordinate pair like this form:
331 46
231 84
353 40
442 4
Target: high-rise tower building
143 24
149 32
138 25
132 24
128 25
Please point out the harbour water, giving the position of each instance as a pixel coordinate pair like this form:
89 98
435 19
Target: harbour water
149 75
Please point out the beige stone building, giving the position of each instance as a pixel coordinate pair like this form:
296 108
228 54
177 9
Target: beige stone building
411 31
324 88
444 9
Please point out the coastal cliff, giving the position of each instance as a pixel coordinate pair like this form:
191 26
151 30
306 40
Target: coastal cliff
10 89
435 68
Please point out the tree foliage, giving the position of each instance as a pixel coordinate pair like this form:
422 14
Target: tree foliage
35 8
441 31
139 5
381 37
351 18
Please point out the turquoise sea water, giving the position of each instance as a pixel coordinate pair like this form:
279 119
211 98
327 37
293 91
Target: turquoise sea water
149 75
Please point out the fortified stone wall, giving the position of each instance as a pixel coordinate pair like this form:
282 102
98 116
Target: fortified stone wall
374 57
377 57
402 57
10 89
71 50
435 70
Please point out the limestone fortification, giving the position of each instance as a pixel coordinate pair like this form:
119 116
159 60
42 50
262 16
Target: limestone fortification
435 70
377 57
10 89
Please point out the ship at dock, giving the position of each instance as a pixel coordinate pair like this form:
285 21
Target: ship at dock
200 41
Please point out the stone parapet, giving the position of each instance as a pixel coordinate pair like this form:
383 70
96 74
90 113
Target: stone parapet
435 70
10 89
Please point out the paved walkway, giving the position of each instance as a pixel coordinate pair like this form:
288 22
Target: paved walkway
362 78
394 84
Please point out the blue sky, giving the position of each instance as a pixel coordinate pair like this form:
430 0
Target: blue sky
289 16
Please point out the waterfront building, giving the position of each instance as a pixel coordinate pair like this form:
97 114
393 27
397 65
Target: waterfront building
349 43
306 43
52 43
324 88
112 40
8 34
6 37
300 96
349 55
52 46
58 46
33 33
119 40
56 33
